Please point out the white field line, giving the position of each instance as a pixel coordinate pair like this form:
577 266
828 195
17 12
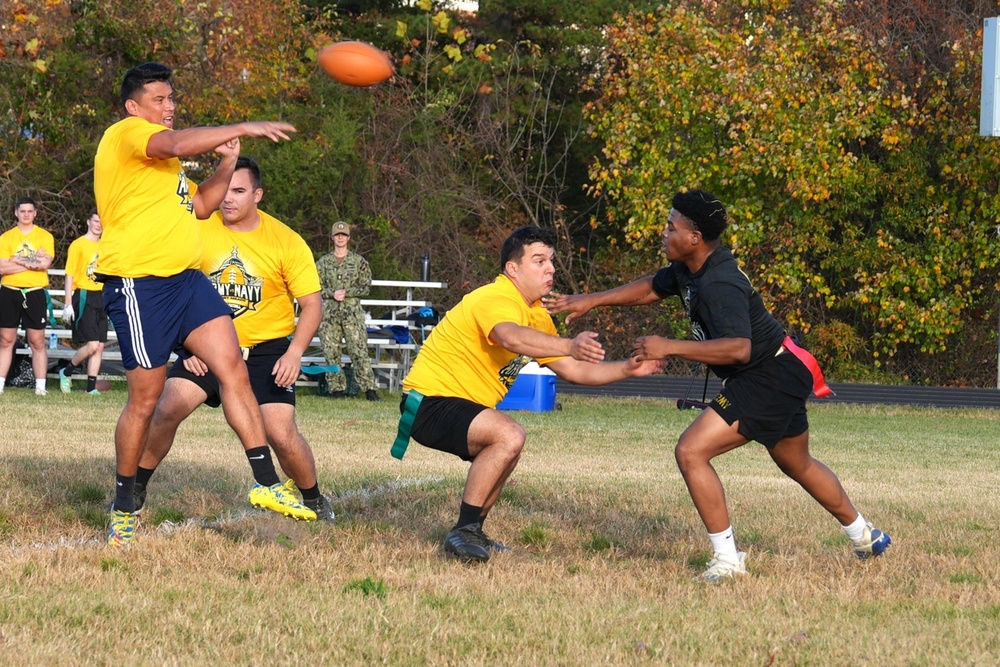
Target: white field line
234 516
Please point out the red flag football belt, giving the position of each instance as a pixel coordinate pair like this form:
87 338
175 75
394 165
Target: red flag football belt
820 387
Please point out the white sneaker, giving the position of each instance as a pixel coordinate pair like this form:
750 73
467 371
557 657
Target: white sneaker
40 392
723 567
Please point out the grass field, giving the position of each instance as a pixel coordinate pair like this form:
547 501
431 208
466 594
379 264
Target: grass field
606 546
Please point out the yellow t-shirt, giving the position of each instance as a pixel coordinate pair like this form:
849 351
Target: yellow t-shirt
459 360
258 274
15 244
81 260
145 204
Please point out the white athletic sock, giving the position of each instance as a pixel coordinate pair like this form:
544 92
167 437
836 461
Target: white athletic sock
40 383
724 543
3 381
856 530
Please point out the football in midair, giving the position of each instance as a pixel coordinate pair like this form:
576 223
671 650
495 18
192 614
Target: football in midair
356 63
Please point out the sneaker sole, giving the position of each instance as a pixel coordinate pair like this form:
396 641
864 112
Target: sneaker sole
465 558
284 511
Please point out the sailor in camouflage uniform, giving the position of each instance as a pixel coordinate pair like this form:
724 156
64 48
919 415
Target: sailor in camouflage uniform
346 278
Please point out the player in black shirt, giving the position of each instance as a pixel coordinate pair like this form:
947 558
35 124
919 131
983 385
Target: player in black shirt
766 376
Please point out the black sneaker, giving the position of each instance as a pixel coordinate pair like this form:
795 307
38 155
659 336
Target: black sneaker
322 508
337 394
492 544
372 395
468 543
140 499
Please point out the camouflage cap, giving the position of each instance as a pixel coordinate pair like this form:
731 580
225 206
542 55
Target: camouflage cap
340 228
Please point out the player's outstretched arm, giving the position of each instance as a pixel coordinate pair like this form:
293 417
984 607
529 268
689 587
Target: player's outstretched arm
579 372
636 293
199 140
533 343
718 352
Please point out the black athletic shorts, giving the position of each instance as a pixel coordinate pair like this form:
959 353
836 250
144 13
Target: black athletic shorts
92 323
26 309
260 362
442 423
769 401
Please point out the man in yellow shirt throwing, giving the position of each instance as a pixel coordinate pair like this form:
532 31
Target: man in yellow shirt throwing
155 295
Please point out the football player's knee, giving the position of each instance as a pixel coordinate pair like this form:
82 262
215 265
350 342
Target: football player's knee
514 440
685 454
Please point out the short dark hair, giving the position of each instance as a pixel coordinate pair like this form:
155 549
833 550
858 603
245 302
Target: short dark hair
704 210
24 200
136 79
512 249
248 163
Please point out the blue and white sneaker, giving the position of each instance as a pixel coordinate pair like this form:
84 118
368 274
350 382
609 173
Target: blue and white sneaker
872 544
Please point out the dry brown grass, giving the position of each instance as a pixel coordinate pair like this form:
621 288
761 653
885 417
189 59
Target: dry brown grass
606 546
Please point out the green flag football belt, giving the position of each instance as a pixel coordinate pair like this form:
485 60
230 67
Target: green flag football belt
410 407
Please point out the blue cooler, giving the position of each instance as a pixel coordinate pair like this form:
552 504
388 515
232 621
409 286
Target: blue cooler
533 390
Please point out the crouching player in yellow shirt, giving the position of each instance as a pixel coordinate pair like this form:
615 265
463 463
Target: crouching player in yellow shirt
469 362
259 265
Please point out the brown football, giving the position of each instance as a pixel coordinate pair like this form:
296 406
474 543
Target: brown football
356 63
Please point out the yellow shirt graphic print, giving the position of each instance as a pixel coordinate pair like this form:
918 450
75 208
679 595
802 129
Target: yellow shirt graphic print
259 274
241 290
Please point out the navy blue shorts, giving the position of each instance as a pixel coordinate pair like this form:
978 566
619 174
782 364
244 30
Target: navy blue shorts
442 423
153 316
260 362
769 400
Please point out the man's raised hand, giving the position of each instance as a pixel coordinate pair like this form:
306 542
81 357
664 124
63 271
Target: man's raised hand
574 304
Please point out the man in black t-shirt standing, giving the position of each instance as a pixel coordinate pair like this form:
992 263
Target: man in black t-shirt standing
766 376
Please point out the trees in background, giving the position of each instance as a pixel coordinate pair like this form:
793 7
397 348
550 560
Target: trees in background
843 135
862 198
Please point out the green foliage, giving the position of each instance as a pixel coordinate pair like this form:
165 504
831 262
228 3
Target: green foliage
850 202
840 135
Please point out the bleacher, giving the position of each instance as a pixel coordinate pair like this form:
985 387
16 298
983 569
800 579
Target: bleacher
390 358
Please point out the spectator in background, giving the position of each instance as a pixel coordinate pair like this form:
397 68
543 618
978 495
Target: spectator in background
26 253
84 309
346 278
